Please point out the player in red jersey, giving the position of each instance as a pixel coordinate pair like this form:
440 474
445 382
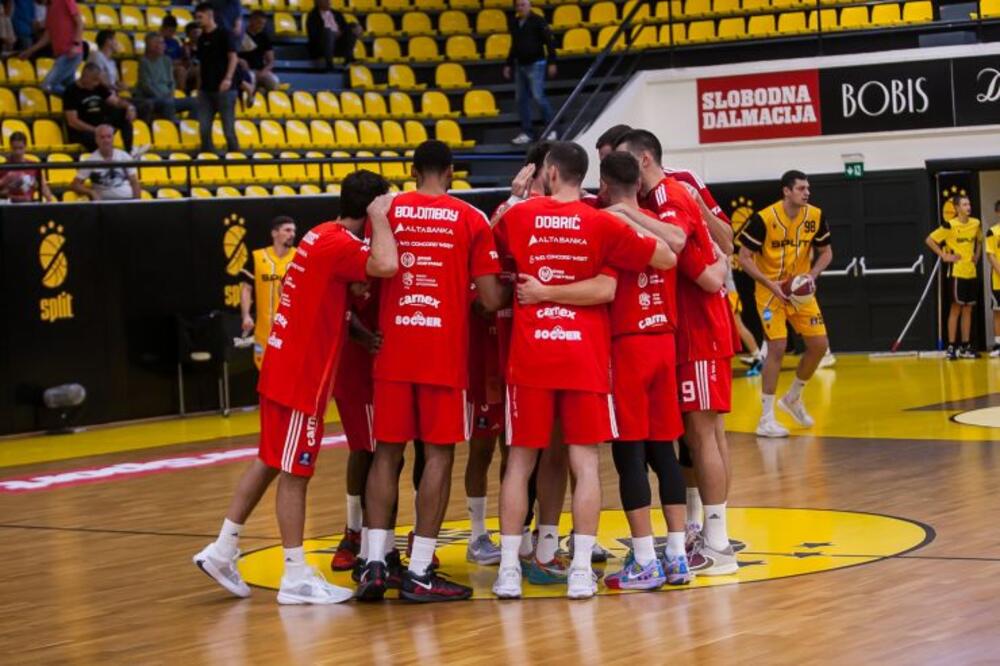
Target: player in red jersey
705 345
560 354
296 380
420 372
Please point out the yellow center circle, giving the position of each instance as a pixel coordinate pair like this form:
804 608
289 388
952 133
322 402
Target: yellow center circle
779 543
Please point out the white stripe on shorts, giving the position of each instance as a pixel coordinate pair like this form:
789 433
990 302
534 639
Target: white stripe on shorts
613 416
291 439
507 423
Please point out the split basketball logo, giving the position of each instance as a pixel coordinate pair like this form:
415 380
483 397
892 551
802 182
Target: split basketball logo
234 247
742 208
55 268
948 211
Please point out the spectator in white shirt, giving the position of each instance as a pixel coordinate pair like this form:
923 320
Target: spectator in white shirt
107 183
104 58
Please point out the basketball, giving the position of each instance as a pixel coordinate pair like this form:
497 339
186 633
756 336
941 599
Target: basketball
53 260
799 289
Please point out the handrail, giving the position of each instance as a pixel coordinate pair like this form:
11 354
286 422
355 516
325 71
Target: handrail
917 267
849 269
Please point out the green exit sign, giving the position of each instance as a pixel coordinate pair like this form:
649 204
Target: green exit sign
854 169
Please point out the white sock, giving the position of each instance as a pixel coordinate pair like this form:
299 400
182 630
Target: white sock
643 549
354 512
583 548
767 402
759 355
548 543
694 509
477 516
795 391
675 543
295 562
376 545
763 350
526 548
363 552
229 539
422 554
715 532
509 546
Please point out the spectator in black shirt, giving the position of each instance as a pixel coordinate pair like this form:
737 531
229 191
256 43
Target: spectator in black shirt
88 103
216 94
260 60
330 35
531 40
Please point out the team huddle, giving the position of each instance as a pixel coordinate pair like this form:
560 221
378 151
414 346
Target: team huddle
562 321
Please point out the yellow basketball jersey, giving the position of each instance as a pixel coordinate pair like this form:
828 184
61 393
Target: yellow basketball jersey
782 246
993 249
960 238
268 271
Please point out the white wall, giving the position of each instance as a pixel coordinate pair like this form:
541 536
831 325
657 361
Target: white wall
665 102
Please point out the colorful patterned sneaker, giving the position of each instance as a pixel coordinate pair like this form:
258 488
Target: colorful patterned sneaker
347 551
692 534
677 570
755 368
720 562
634 576
432 586
548 573
483 551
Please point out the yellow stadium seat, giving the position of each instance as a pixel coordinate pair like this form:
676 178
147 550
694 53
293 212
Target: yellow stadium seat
246 133
918 11
417 23
359 50
434 104
284 191
393 135
105 17
673 34
284 24
602 13
165 136
167 193
423 49
132 18
491 21
271 134
393 170
725 6
853 18
297 134
32 102
416 133
989 8
258 110
179 173
256 191
672 10
47 134
294 173
209 174
87 15
449 132
827 17
55 104
786 4
451 75
453 22
322 134
791 23
70 196
201 193
327 104
347 133
386 49
459 184
497 47
141 136
701 31
145 195
11 126
313 171
374 167
228 191
465 4
697 8
154 17
400 105
59 177
20 71
479 103
576 41
395 5
640 14
279 104
153 175
130 72
341 169
732 28
370 134
461 47
645 37
265 173
351 105
308 189
761 26
379 24
375 105
425 5
750 6
303 104
190 136
42 68
604 38
239 173
139 44
402 77
8 104
886 14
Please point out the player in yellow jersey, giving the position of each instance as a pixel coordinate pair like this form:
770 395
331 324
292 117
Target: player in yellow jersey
958 242
786 239
261 282
993 255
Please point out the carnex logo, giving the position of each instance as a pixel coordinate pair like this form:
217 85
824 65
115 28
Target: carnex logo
991 93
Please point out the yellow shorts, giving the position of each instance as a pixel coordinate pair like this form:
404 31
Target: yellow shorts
806 319
734 303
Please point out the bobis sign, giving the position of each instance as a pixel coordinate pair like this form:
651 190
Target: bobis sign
758 106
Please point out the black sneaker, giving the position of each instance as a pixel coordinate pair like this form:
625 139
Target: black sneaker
967 352
951 353
359 566
432 586
371 586
394 570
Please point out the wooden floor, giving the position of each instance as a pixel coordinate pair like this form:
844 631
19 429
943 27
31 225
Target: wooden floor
100 571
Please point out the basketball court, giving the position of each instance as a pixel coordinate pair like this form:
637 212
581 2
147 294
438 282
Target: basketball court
858 534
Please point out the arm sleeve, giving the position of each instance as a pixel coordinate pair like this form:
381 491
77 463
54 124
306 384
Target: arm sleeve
350 260
483 256
754 233
623 247
822 237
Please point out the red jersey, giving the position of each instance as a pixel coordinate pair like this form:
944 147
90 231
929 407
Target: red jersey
645 302
692 179
309 327
444 243
354 375
565 346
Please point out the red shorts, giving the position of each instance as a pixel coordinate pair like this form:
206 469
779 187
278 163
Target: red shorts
706 386
586 418
487 420
432 414
356 419
289 439
644 387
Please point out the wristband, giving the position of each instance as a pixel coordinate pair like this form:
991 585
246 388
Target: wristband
514 199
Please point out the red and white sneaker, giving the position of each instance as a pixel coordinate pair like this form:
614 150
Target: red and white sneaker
347 551
432 586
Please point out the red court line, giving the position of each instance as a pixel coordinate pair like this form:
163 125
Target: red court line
128 470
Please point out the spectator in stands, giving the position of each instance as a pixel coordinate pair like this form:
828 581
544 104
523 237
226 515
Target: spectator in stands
260 59
64 31
23 20
21 185
154 92
186 71
229 15
532 47
330 35
7 36
107 183
88 103
104 58
172 46
41 12
216 94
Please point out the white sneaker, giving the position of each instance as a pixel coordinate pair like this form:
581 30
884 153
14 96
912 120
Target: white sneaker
581 583
720 562
769 427
521 139
222 570
508 583
311 588
797 410
828 360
